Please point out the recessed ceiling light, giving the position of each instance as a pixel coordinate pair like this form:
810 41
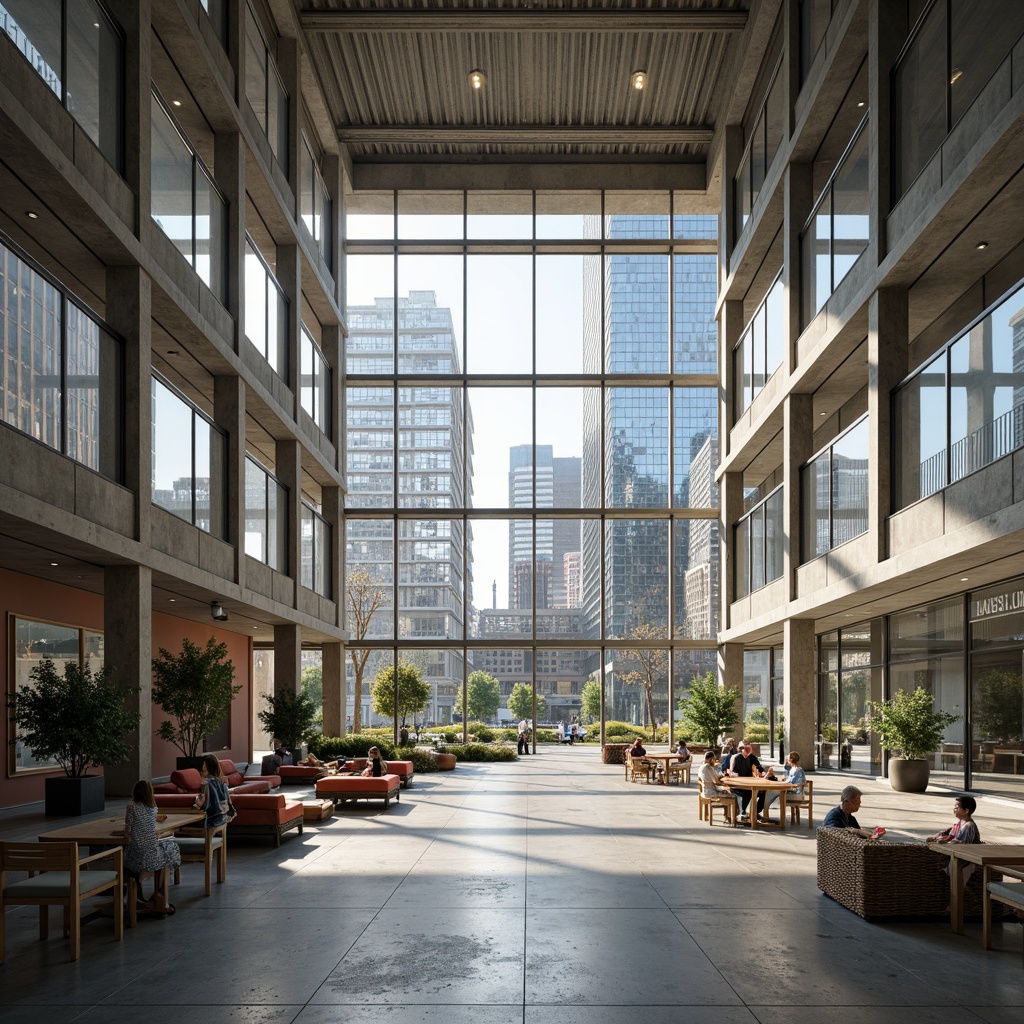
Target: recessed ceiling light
172 599
861 103
638 80
32 215
822 413
957 74
176 103
55 563
477 79
964 579
981 245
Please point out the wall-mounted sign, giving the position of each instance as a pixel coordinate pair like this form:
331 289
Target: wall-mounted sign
1005 599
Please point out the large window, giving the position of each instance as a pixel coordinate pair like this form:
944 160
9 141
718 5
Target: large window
315 200
760 544
952 54
315 392
316 551
189 461
61 372
266 311
766 135
834 492
760 349
264 90
186 203
217 12
532 439
964 409
836 234
78 50
266 517
31 642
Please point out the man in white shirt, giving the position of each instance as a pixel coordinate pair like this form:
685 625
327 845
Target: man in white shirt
524 737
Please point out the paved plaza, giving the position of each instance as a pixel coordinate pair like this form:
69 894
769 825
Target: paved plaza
538 891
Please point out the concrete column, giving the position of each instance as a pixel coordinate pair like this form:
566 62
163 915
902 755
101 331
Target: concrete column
797 194
730 329
331 343
728 218
235 45
229 153
887 366
730 673
128 651
331 171
800 669
229 413
887 31
129 312
289 276
331 508
133 16
289 68
335 691
288 469
287 657
731 510
797 440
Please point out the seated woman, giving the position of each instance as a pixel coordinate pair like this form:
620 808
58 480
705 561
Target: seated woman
376 766
144 851
711 779
637 749
682 751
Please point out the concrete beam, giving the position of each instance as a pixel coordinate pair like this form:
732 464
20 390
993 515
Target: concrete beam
530 135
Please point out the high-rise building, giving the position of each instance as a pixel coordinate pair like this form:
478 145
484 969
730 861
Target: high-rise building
558 486
430 445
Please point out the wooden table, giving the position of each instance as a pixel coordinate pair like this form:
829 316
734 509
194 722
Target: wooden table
110 832
758 785
981 854
664 760
1017 755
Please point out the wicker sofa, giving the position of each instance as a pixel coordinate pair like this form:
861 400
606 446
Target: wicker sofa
876 879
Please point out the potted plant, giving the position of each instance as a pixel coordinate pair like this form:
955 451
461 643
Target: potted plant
910 728
290 716
195 688
79 719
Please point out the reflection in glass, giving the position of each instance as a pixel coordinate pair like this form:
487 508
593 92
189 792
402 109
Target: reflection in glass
637 584
695 447
694 328
560 427
636 323
369 581
95 57
171 182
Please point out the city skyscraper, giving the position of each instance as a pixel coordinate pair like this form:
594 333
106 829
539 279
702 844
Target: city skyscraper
431 470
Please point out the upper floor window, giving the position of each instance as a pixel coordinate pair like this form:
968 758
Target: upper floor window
189 461
834 492
264 89
217 12
836 233
266 516
759 351
78 50
186 202
316 551
760 544
266 310
316 209
952 53
316 381
964 408
762 145
815 16
61 371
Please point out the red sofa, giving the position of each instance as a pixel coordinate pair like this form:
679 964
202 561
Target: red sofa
259 814
190 780
343 789
299 773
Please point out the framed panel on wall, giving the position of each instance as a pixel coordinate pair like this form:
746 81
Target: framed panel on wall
32 641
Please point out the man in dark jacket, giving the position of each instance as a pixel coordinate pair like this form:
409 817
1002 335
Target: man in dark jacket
743 764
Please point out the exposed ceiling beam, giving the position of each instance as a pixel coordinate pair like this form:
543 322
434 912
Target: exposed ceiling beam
477 19
444 174
477 135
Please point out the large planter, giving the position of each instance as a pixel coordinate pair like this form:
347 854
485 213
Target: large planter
445 762
67 797
908 776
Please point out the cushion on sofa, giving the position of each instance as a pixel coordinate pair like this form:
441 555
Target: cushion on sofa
357 785
188 780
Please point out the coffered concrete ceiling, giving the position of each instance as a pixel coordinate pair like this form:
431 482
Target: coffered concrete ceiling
557 98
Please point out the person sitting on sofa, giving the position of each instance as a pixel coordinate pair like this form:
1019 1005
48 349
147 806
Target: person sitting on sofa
842 816
312 761
376 766
964 829
281 751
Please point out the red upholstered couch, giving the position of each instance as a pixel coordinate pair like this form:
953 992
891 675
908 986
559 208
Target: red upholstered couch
259 814
190 780
307 773
345 789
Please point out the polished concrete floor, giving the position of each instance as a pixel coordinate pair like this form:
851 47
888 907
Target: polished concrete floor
542 890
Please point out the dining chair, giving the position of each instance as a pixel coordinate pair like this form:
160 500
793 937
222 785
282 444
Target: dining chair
55 878
201 844
706 805
679 770
795 803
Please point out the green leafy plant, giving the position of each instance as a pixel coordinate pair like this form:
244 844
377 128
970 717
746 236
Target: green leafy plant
520 703
709 710
590 700
413 693
479 751
289 716
483 696
908 725
78 719
195 688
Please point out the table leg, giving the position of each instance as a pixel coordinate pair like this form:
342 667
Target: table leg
956 888
782 809
752 809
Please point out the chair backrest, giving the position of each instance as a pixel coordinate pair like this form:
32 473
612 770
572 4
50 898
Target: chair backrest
38 856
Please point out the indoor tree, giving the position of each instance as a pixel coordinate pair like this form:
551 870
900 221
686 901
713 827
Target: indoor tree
289 716
709 710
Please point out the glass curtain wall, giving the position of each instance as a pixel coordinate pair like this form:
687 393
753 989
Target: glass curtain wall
532 439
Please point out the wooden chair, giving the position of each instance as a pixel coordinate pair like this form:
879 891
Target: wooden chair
679 770
1010 893
56 878
636 767
706 805
200 845
794 803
